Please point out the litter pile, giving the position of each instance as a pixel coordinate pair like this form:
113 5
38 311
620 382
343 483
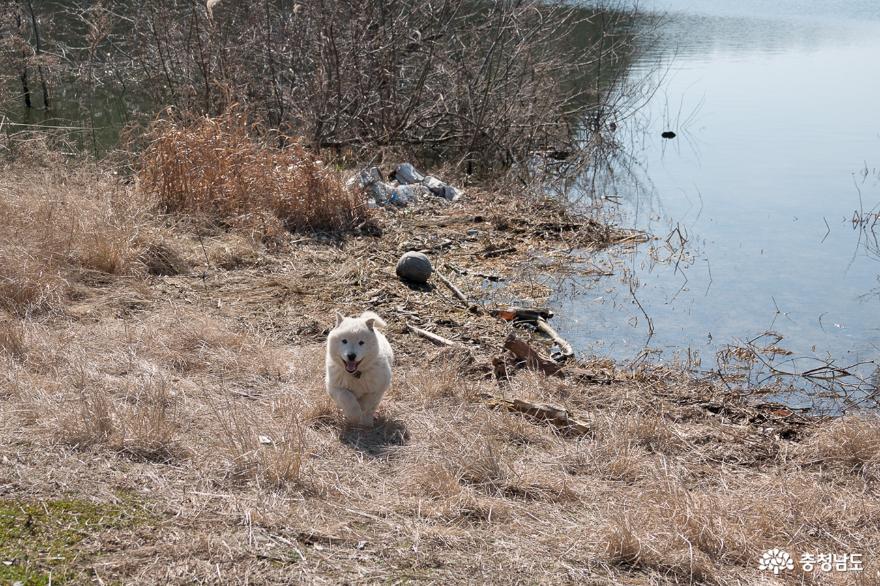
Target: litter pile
405 186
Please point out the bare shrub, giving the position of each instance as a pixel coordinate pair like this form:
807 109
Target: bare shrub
214 167
481 85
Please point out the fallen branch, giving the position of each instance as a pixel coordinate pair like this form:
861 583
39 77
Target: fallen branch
439 340
559 417
521 313
457 292
567 350
499 251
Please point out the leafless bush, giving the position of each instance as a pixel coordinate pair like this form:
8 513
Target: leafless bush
476 84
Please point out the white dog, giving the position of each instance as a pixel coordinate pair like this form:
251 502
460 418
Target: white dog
359 360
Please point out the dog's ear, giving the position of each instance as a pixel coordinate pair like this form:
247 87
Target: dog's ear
371 323
339 318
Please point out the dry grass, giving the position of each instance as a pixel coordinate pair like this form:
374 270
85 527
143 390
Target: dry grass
12 339
61 224
215 168
268 450
198 397
851 444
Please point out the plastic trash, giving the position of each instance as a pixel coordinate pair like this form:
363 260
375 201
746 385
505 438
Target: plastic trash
381 192
406 174
441 189
406 194
370 180
409 186
370 176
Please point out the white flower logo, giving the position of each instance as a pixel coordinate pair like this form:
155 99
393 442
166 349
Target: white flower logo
776 560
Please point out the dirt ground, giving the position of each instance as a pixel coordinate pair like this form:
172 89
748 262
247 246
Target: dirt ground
163 418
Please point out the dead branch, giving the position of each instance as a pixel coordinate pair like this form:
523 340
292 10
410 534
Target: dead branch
521 313
559 417
432 337
567 350
457 292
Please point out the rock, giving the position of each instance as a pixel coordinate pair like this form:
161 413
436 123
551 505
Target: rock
668 134
414 267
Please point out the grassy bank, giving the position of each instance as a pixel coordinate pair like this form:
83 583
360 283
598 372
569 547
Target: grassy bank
179 362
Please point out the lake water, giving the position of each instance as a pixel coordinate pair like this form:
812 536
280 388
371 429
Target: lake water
777 111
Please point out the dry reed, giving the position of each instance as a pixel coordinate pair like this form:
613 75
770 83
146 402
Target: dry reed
217 168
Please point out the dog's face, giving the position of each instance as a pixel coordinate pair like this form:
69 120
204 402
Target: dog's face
352 342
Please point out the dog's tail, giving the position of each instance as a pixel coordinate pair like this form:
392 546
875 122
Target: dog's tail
371 316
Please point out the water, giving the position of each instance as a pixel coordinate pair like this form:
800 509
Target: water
776 110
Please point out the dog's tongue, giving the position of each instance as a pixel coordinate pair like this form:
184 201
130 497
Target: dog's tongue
351 365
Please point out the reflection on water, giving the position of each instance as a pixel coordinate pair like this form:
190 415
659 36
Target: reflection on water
778 141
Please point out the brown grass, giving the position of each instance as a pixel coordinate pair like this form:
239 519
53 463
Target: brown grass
851 444
267 450
216 168
12 339
199 397
60 225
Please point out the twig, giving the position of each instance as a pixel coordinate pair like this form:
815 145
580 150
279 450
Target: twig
567 350
645 313
557 416
499 251
457 292
439 340
521 313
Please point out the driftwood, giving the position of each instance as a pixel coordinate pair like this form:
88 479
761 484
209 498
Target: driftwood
528 314
559 417
439 340
533 359
567 350
457 292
